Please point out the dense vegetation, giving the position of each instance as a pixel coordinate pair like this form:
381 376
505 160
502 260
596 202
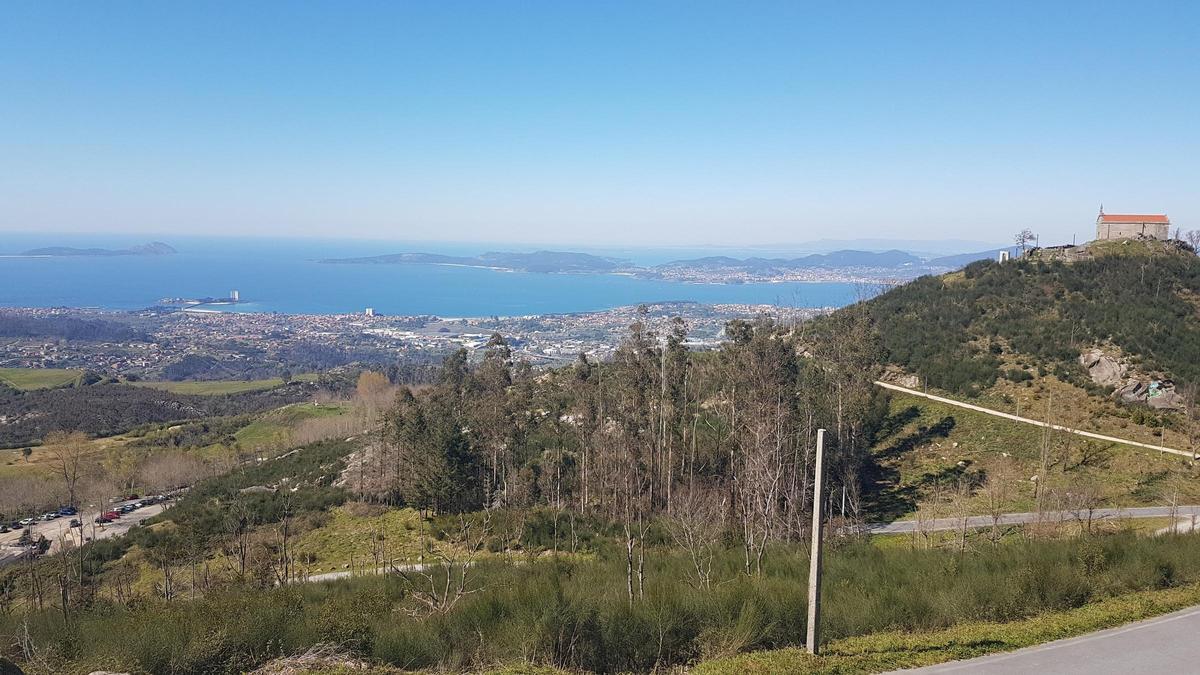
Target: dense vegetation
108 408
68 328
951 330
573 613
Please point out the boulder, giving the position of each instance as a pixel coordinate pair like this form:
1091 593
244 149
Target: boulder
1165 398
1133 391
1102 368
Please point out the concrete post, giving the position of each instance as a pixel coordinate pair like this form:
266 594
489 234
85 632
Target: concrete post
814 562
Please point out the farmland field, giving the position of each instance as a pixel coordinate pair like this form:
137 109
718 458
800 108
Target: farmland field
38 378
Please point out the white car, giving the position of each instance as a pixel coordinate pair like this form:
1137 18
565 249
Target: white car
26 522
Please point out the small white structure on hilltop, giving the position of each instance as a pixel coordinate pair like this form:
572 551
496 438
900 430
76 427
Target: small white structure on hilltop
370 311
1003 257
1132 226
234 296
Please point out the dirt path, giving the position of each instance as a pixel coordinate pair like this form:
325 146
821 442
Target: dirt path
1026 420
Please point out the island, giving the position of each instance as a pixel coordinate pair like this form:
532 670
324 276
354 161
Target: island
837 266
153 248
538 261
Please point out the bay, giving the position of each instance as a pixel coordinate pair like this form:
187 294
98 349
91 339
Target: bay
282 275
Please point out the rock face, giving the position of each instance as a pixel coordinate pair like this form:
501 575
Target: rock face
1102 368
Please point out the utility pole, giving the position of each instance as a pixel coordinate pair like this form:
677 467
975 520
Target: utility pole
814 560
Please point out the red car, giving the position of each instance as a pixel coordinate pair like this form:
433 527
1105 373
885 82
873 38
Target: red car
112 515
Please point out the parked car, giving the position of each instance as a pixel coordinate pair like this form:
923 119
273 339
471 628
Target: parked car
75 523
103 520
112 515
3 528
50 515
68 511
26 522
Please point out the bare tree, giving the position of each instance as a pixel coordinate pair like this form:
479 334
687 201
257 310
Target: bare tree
997 495
67 450
1024 238
439 587
696 526
1193 238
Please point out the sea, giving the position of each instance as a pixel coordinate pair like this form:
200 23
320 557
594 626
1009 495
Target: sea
283 275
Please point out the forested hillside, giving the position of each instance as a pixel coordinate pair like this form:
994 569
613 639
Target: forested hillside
109 408
952 330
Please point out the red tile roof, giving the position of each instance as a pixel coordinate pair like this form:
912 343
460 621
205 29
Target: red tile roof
1133 218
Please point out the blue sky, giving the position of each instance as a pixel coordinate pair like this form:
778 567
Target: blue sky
597 122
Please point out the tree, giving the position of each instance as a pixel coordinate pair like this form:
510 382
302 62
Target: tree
1193 238
997 491
697 526
1023 238
67 450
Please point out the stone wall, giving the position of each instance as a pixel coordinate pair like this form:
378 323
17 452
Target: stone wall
1132 230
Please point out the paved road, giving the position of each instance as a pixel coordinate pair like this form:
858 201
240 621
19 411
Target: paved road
1039 423
1189 513
1163 645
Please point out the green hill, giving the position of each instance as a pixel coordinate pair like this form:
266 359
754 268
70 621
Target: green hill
961 331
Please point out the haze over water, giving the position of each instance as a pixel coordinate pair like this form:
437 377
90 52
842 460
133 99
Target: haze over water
283 276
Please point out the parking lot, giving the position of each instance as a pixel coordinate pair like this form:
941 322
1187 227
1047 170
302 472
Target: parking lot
58 530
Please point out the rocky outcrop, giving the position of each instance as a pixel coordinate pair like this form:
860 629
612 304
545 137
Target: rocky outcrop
1160 395
1104 370
1133 391
1107 371
1166 398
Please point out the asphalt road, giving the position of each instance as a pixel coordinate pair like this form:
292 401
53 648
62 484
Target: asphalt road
904 526
1163 645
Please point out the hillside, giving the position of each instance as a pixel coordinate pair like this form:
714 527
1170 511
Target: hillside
962 331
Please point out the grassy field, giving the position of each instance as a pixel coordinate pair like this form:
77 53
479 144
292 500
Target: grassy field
38 378
41 461
882 652
274 429
931 448
220 387
352 531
